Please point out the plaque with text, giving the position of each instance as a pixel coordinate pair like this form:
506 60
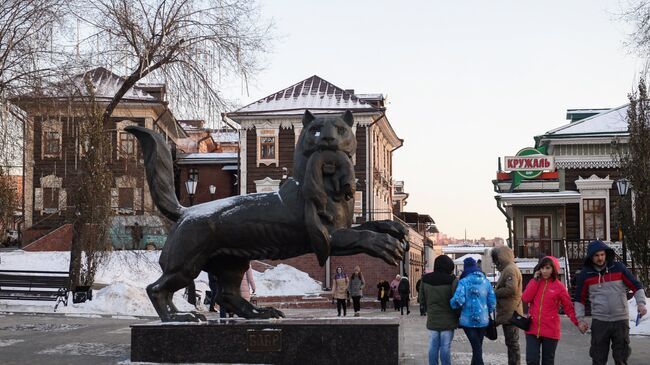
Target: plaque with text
264 340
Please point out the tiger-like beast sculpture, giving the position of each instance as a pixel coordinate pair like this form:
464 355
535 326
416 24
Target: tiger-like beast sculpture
222 236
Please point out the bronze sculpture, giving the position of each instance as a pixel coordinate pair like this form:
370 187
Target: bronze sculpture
222 236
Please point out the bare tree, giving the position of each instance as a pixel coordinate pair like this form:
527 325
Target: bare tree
27 49
184 43
11 147
187 44
635 165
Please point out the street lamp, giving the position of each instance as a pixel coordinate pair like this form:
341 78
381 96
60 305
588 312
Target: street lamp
623 185
190 186
213 189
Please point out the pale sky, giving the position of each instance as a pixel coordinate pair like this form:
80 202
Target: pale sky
467 82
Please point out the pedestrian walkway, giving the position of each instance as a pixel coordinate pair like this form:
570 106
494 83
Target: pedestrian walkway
66 339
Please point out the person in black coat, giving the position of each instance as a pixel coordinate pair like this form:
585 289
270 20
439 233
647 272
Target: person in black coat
383 293
404 289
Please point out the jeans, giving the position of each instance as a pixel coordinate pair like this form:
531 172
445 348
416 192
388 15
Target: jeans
475 337
440 346
533 344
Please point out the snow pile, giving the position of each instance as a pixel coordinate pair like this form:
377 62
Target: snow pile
284 280
123 279
644 323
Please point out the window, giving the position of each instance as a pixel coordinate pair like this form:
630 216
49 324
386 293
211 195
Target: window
125 199
193 175
52 145
50 199
267 148
127 145
594 215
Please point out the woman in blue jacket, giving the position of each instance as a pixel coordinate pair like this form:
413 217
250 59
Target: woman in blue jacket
475 296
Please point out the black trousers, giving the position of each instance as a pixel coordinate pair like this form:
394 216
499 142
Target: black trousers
383 304
605 333
340 303
356 303
397 303
548 345
405 304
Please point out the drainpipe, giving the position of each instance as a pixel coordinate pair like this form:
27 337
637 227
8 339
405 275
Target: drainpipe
508 220
328 274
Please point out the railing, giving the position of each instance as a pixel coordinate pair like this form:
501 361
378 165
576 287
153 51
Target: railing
536 248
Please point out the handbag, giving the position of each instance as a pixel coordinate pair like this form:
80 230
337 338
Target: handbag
491 332
520 321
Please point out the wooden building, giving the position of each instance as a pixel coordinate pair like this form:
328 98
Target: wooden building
53 150
270 128
562 194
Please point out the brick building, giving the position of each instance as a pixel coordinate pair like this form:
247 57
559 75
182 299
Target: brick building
270 128
53 150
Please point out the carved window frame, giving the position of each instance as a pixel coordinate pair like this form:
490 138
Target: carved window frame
119 133
56 184
126 182
265 133
51 130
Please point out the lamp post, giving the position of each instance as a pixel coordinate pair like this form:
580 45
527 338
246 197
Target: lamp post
213 189
623 185
190 186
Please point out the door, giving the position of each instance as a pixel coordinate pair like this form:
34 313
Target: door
537 236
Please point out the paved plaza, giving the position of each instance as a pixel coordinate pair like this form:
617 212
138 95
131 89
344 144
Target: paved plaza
59 339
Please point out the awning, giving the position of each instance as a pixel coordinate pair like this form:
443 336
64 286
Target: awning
229 168
539 198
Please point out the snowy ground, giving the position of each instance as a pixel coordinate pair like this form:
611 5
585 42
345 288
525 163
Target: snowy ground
124 278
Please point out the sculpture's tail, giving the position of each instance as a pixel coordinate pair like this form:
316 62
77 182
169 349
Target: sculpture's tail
160 173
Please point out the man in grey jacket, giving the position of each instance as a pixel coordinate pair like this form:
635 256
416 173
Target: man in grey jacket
605 282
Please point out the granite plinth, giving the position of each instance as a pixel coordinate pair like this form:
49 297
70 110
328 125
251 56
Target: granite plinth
278 341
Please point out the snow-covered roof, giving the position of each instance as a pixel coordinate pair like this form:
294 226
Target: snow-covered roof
540 198
475 256
212 157
107 84
464 249
225 137
613 121
313 93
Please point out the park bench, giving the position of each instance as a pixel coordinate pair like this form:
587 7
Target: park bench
35 285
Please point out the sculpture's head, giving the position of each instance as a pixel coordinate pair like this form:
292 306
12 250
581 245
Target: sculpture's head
327 132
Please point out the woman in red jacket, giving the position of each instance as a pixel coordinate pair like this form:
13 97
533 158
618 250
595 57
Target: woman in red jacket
544 294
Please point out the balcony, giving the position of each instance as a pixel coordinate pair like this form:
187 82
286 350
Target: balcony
536 248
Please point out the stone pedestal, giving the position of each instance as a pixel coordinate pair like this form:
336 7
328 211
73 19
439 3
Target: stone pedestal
278 341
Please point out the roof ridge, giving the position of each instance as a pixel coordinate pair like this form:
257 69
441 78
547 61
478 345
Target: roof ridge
571 124
309 87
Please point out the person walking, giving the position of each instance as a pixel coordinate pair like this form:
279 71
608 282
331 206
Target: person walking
214 287
606 282
356 289
340 290
475 296
394 293
508 291
544 294
436 291
247 286
383 288
404 289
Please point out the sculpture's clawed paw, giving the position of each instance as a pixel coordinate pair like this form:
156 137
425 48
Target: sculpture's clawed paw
187 317
268 312
387 248
393 228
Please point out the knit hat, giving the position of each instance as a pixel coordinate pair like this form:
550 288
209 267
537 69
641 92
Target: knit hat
469 266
